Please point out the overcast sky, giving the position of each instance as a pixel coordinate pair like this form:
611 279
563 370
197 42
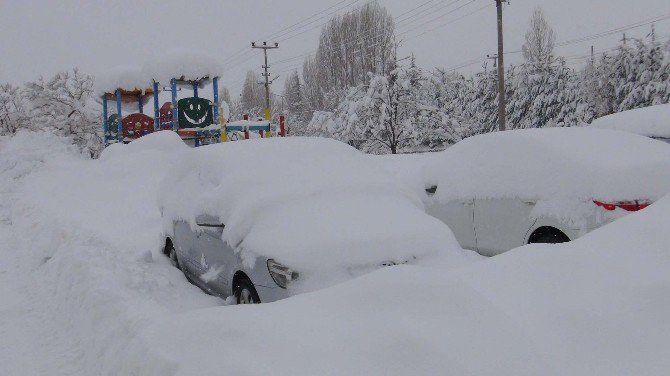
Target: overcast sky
42 37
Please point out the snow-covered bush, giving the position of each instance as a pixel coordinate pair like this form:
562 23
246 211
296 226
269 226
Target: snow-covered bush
62 105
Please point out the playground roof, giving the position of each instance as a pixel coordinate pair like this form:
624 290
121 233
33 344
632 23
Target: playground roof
132 81
187 67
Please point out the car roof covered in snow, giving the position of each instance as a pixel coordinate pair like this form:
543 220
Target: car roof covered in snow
307 202
571 163
652 121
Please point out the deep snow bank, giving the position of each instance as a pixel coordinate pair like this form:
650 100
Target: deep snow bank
81 240
84 247
83 237
596 306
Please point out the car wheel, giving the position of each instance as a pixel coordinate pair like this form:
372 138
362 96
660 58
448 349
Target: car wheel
552 238
245 293
171 253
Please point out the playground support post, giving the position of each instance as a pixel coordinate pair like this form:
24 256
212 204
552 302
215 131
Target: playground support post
119 131
195 89
175 111
104 119
156 109
282 125
215 108
140 105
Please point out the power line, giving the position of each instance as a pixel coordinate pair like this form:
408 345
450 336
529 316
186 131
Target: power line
451 21
602 34
367 37
274 35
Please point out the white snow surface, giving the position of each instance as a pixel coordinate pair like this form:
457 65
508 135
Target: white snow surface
84 290
652 121
595 306
310 203
182 63
122 77
555 164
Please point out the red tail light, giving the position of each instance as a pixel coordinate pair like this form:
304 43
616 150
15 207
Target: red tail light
625 205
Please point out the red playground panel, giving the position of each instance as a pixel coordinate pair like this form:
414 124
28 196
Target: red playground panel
137 125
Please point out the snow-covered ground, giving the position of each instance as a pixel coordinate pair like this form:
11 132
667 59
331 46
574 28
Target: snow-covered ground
85 290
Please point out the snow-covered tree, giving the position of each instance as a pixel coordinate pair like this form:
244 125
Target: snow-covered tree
252 100
295 108
350 46
540 39
64 105
13 109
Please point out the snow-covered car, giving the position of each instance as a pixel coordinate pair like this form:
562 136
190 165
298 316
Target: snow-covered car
262 220
652 121
501 190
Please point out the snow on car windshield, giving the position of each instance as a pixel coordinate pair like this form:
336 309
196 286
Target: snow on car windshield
306 202
568 163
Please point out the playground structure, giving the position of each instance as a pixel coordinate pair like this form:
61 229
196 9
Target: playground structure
198 121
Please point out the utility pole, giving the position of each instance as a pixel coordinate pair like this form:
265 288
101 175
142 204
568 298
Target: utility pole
265 47
493 57
624 39
501 69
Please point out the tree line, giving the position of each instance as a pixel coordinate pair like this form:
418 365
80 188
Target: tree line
397 106
354 88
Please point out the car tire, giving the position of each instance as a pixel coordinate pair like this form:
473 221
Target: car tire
171 253
245 292
552 238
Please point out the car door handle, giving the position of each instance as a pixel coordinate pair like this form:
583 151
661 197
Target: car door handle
217 225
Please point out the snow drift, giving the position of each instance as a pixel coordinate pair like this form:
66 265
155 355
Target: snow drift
86 291
595 306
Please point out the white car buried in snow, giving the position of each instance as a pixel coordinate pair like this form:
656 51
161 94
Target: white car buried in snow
501 190
652 121
262 220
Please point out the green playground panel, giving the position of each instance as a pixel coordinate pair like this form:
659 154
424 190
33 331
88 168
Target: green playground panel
195 112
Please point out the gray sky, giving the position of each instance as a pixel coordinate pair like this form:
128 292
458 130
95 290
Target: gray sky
42 37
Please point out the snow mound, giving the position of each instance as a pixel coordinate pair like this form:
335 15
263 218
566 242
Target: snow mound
165 142
81 243
122 77
653 121
594 306
182 64
309 203
554 163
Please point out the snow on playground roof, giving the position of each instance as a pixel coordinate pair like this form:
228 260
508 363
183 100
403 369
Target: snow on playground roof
184 65
552 163
653 121
123 77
